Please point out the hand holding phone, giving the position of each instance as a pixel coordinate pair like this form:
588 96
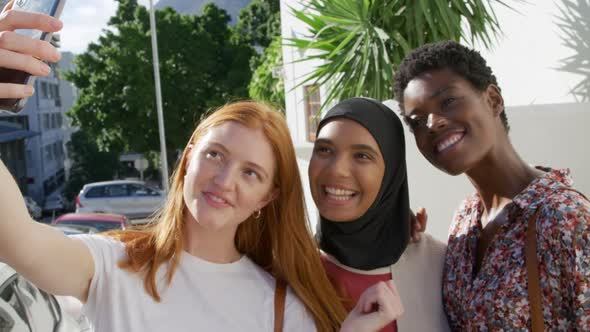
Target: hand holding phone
21 54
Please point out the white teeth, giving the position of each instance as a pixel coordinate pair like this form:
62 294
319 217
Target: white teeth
339 198
340 194
449 142
216 199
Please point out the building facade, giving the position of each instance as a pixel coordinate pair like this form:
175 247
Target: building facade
14 130
45 152
32 142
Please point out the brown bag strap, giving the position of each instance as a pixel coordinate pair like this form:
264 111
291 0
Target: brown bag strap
280 294
532 271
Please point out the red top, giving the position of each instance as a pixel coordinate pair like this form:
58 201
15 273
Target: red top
351 285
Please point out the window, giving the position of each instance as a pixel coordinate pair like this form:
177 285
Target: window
44 90
56 150
95 192
59 120
46 121
53 121
48 152
101 226
138 190
55 92
312 109
117 190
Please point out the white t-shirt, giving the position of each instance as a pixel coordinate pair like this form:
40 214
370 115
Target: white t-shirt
202 296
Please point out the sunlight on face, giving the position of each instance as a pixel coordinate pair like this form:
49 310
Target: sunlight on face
229 176
345 171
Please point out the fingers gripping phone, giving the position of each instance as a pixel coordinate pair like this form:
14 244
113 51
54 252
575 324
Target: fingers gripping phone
49 7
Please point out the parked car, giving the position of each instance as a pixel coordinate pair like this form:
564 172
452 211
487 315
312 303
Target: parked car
71 229
33 208
24 307
133 199
102 222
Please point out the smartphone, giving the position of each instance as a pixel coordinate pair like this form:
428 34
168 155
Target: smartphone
49 7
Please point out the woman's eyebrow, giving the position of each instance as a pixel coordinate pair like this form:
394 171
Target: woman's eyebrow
258 168
365 147
435 94
219 146
323 141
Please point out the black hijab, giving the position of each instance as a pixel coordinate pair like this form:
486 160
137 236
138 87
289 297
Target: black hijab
379 237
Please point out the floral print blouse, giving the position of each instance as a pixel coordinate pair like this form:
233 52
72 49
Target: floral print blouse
496 298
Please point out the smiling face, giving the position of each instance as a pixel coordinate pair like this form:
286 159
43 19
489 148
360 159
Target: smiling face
229 176
454 124
345 171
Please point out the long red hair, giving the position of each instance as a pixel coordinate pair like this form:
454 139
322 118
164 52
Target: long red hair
280 241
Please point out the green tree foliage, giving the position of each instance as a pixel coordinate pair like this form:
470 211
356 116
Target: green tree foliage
260 22
202 65
260 25
85 156
360 42
265 86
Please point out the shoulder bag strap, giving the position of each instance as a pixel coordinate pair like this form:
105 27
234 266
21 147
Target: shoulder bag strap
280 295
532 270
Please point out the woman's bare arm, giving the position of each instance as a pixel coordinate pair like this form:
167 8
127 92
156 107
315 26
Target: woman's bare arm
43 255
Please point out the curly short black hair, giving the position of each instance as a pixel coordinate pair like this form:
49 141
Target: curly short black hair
451 55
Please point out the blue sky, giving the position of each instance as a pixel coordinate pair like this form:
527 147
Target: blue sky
84 21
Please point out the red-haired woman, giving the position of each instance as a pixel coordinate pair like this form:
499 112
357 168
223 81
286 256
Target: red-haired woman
231 231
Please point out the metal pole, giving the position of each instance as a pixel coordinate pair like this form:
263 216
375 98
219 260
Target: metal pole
163 157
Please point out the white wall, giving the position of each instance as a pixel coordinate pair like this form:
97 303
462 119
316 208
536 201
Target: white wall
525 59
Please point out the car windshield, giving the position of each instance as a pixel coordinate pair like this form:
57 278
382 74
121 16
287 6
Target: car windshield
101 226
75 229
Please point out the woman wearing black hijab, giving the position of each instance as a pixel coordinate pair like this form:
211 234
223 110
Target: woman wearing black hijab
358 181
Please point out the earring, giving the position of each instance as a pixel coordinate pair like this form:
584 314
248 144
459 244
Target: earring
257 214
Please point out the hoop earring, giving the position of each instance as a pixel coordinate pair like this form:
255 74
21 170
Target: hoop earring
257 214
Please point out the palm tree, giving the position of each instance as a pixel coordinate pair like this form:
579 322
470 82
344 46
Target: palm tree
361 42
